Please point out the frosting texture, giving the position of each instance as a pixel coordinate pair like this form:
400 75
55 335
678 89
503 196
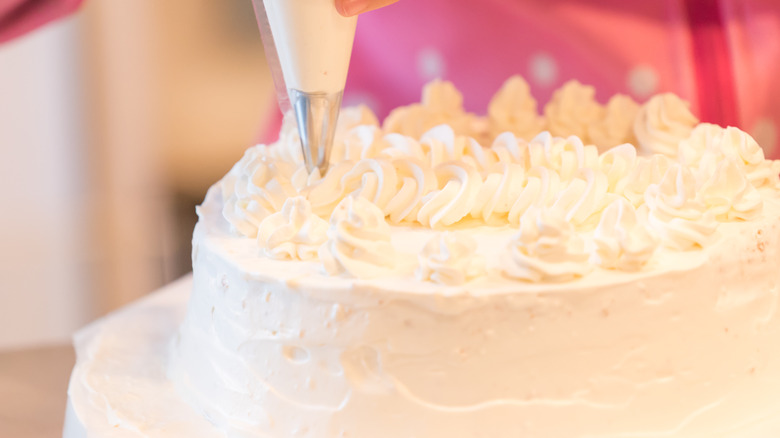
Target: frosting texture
293 233
358 240
621 242
612 206
546 249
662 123
448 258
472 282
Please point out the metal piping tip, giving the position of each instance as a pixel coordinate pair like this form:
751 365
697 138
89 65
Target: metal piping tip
316 115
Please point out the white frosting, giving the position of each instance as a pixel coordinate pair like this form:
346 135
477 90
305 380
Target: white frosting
448 258
441 103
293 233
608 355
645 172
621 241
572 110
358 241
256 187
547 248
662 123
513 109
617 125
729 195
277 348
675 212
459 185
470 290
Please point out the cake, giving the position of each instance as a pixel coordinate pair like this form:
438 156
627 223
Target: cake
592 271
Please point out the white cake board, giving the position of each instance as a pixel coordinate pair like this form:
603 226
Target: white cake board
119 386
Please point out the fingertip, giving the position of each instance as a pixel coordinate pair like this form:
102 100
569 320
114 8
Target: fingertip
342 10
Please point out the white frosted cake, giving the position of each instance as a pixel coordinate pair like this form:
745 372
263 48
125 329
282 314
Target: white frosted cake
595 271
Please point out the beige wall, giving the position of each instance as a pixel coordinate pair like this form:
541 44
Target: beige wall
146 104
43 280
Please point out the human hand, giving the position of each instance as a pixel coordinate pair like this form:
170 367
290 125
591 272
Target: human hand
349 8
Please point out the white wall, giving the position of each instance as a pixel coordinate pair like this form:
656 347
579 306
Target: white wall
43 195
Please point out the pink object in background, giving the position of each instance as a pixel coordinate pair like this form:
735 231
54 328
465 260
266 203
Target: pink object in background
721 55
17 17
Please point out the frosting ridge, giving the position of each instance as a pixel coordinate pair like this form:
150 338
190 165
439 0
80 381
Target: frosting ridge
358 241
546 248
293 233
448 258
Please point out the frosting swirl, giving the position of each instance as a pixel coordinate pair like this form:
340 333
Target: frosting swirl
507 148
441 104
541 187
556 189
572 109
745 151
704 139
501 187
622 240
564 155
448 259
375 180
361 142
325 193
583 197
293 233
256 187
358 241
646 171
400 146
415 181
459 184
675 213
546 248
513 109
617 163
662 122
729 195
617 125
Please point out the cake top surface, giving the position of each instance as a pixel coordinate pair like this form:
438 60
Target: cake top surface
439 196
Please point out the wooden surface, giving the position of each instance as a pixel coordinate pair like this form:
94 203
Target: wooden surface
33 391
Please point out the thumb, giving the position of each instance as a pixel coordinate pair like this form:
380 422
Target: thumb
349 8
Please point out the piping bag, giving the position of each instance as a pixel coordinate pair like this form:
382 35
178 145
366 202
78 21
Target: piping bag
308 45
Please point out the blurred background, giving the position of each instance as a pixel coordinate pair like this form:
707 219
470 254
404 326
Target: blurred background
113 123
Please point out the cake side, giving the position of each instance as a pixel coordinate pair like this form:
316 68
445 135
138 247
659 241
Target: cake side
690 346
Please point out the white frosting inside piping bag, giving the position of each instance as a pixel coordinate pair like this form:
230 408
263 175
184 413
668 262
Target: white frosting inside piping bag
313 42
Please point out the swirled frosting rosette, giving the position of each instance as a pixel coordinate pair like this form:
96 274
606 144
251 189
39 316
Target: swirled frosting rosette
547 248
441 104
513 109
577 206
449 259
572 110
459 186
616 125
293 233
255 188
622 239
358 241
675 212
662 123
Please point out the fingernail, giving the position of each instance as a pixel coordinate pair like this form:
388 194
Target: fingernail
353 7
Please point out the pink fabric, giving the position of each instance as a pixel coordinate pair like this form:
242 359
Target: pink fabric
17 17
721 55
